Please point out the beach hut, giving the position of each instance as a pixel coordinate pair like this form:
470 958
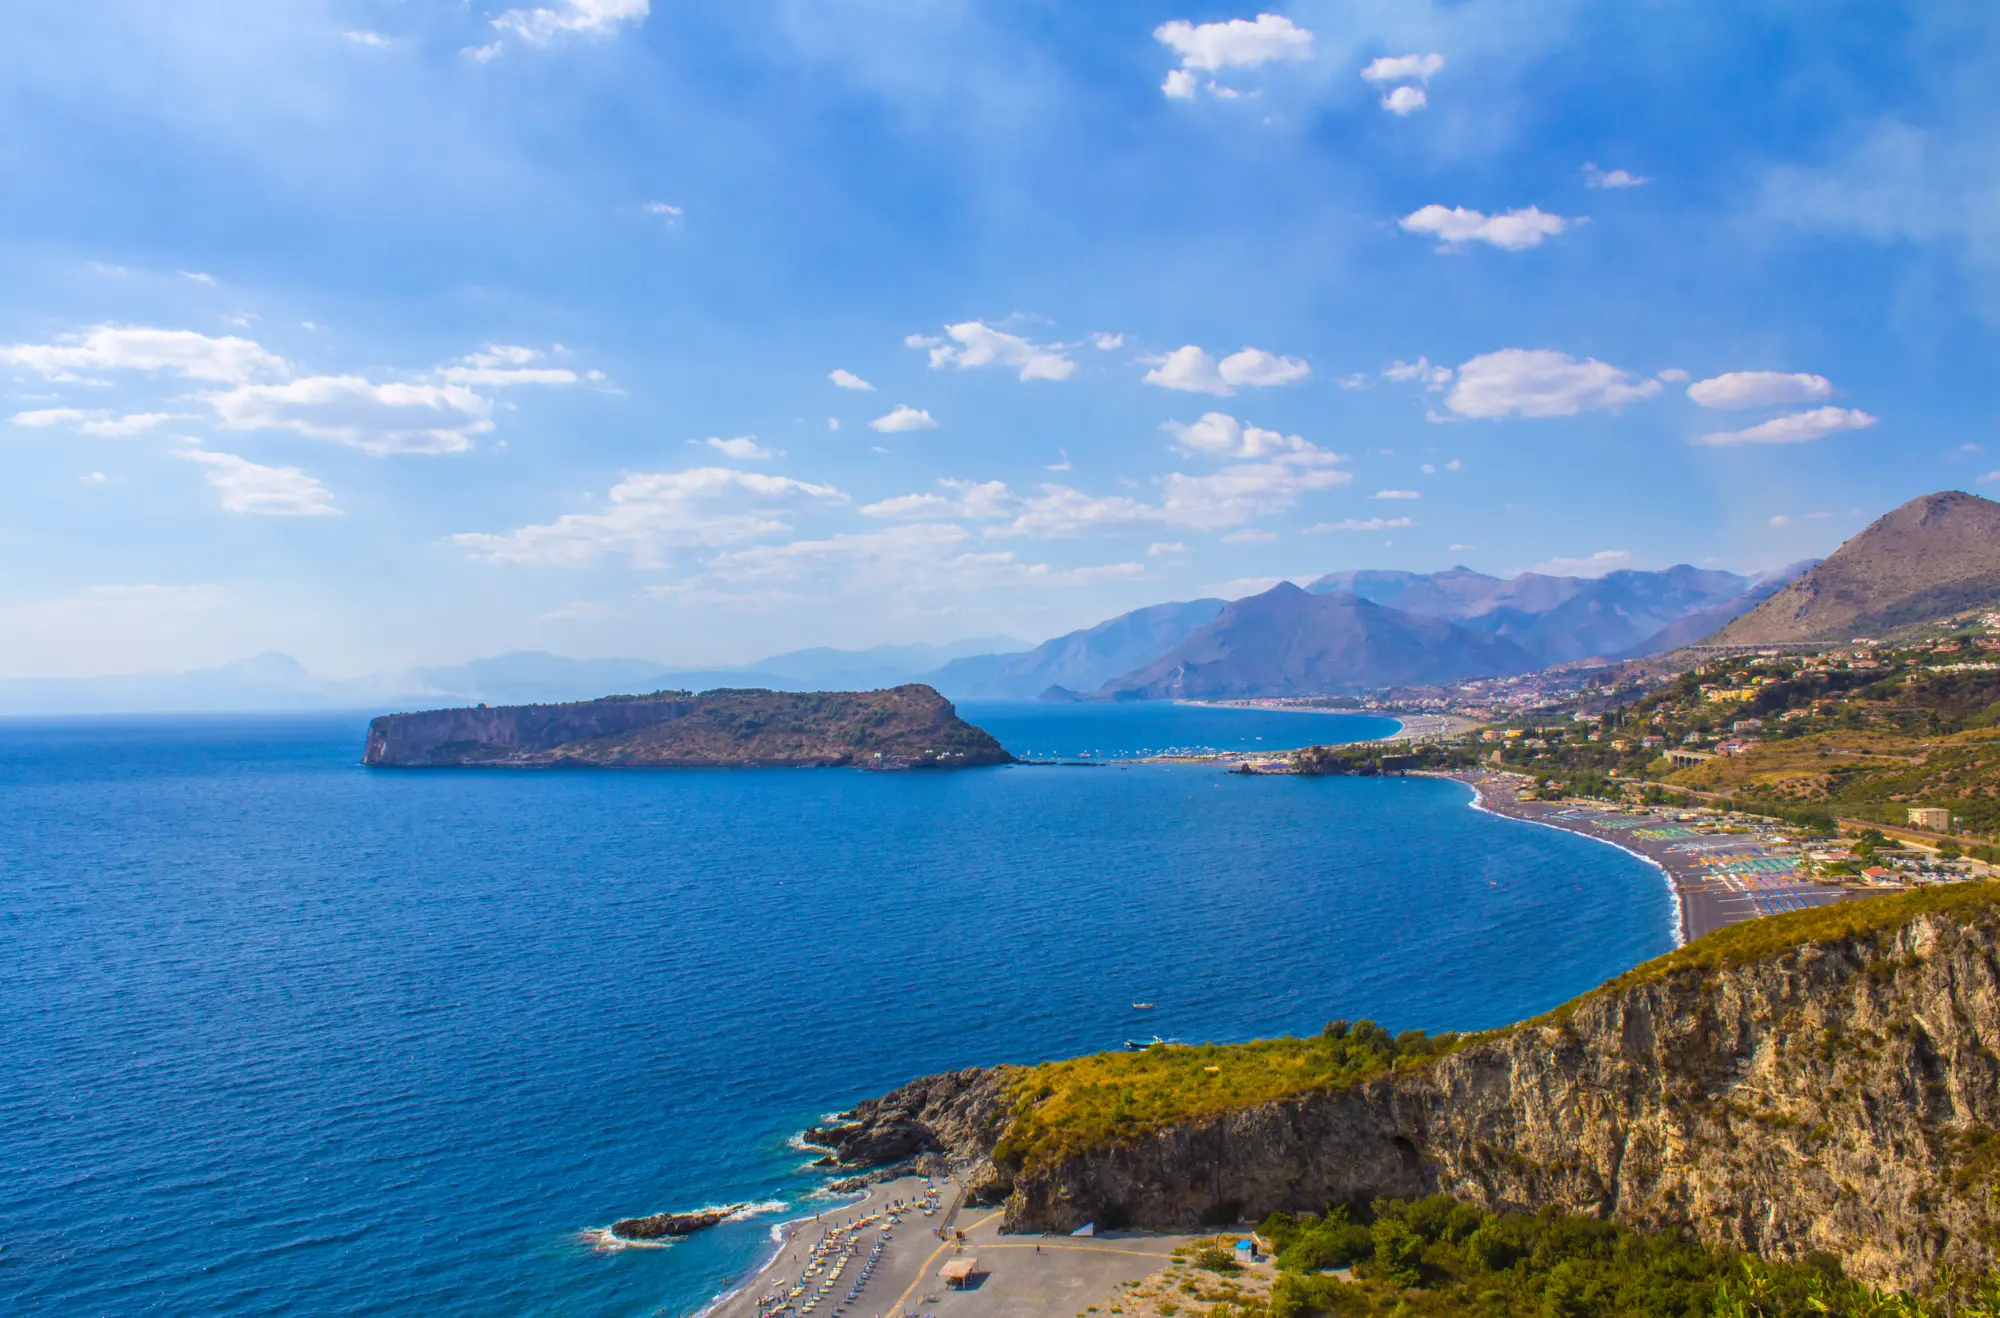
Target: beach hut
958 1272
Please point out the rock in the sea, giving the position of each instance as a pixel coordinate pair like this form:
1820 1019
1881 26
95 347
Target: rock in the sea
666 1226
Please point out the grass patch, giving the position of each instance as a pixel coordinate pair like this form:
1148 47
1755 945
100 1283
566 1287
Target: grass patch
1067 1107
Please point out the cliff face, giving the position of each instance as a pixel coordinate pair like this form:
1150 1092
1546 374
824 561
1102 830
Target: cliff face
1839 1096
907 726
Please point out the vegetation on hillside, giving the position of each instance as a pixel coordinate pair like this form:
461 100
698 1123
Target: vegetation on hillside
1773 935
1062 1108
1861 734
1440 1256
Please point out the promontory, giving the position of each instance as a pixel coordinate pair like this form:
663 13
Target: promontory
905 727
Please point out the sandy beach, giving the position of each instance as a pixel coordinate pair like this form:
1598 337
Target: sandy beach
1717 877
880 1258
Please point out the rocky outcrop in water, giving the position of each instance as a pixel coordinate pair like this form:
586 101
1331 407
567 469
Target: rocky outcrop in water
901 728
668 1226
1839 1096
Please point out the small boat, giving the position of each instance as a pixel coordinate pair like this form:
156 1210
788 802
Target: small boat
1142 1006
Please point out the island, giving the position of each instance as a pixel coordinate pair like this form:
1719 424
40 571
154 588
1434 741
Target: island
905 727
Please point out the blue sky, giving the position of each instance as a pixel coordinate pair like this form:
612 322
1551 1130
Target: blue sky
397 331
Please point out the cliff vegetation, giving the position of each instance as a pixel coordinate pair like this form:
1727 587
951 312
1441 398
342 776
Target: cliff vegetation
1825 1083
1060 1109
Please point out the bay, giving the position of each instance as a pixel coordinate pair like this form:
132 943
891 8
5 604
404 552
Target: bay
279 1034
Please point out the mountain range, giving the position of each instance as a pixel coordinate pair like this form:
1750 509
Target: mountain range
1344 632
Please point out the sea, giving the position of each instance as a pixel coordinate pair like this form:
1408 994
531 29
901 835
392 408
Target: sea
280 1034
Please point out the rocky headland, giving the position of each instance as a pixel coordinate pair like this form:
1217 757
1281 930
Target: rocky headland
904 727
1826 1082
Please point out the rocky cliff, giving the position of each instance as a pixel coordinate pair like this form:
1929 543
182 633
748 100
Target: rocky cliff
1820 1082
904 727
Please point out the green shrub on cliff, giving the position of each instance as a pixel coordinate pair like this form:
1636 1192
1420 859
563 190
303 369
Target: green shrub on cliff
1063 1108
1437 1256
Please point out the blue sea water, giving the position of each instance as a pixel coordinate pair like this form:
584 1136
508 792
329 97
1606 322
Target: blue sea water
279 1034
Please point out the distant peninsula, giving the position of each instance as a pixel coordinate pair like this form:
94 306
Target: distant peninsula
905 727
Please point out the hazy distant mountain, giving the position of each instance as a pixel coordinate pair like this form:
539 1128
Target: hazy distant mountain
1287 641
1928 559
1081 660
883 666
266 682
277 683
1698 627
1554 619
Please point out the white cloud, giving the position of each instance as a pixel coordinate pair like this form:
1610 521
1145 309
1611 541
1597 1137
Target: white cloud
1673 375
1237 43
1403 68
1191 370
973 500
1593 177
1397 494
1179 85
1062 462
1759 389
744 448
1249 537
589 17
1421 370
42 418
1538 382
1989 477
903 417
99 423
1453 465
1781 520
849 380
1592 565
979 344
94 478
365 38
1515 231
1457 548
481 54
1363 524
1239 493
1406 100
381 418
225 360
250 487
1795 428
1221 435
1262 370
197 276
925 556
503 364
1163 548
119 427
665 210
651 513
1104 342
